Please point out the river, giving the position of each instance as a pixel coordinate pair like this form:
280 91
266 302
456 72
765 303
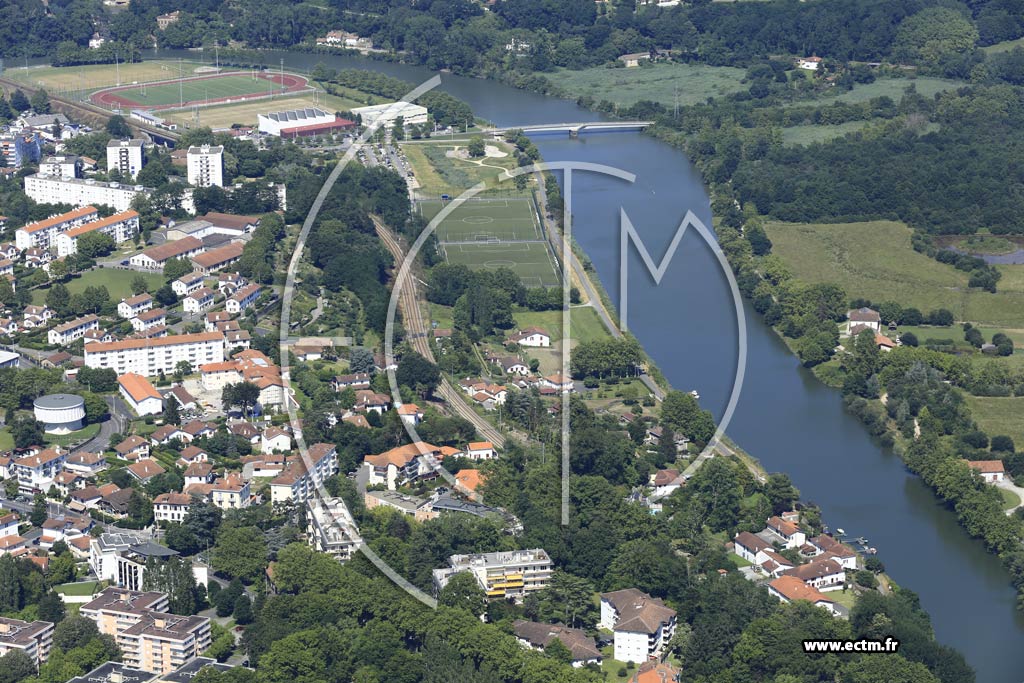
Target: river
785 418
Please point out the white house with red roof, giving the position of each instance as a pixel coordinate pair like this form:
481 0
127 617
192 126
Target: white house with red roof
789 589
788 532
992 471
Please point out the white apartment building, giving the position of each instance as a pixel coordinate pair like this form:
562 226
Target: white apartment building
327 527
206 165
37 472
125 156
81 192
43 233
70 331
121 227
33 638
147 357
61 166
121 557
506 574
298 483
132 306
641 625
242 299
147 320
230 492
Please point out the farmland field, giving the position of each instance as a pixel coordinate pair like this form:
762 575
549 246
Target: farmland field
894 87
998 416
694 83
875 260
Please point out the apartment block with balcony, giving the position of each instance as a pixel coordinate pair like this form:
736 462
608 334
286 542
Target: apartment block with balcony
510 574
329 527
33 638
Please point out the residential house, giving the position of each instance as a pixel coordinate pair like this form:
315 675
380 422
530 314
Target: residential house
171 507
866 317
132 306
36 472
823 574
531 336
144 470
86 464
513 366
481 450
215 259
275 439
537 635
149 320
557 382
788 532
230 492
410 414
359 380
790 588
186 284
198 473
133 448
665 482
70 331
155 257
198 301
826 546
991 471
242 299
168 433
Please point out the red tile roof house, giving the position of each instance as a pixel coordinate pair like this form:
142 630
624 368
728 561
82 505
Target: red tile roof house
867 317
789 588
775 564
821 573
750 547
826 546
991 471
642 626
537 636
168 433
144 470
788 532
133 448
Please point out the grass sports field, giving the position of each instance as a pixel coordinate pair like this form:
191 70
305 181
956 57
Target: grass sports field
93 76
199 90
533 262
481 220
496 233
874 260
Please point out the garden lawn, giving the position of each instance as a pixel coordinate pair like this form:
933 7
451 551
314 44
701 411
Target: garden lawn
117 282
586 324
1010 499
87 432
82 588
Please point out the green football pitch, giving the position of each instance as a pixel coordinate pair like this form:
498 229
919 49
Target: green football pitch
533 262
486 220
199 90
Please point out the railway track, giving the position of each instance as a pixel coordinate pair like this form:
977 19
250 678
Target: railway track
418 335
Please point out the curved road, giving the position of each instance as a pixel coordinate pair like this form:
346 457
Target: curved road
418 334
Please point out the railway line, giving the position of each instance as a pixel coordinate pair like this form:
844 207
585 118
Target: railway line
418 334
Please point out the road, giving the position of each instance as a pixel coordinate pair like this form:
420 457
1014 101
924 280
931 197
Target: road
583 278
418 334
116 423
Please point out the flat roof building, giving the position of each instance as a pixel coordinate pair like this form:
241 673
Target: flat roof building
33 638
505 574
412 114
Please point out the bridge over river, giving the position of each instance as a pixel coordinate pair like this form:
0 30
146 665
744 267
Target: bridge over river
574 129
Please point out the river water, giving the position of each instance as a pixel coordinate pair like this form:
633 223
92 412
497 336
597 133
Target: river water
784 417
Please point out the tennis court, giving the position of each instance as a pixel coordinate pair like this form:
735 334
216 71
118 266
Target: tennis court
486 220
533 262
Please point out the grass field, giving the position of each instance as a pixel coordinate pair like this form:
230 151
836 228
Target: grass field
584 322
874 260
117 282
533 262
440 171
956 333
1004 46
894 87
811 133
244 113
1010 499
693 83
478 220
87 432
999 416
94 76
198 90
80 588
